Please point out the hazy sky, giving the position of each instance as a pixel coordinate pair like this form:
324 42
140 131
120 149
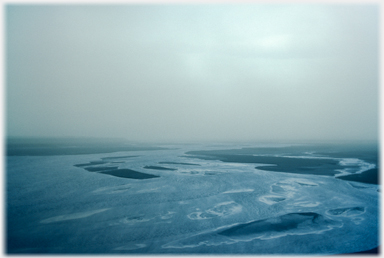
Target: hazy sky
193 72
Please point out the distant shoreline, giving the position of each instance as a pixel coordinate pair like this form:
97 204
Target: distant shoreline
70 146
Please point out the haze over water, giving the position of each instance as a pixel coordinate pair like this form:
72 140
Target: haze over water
228 72
192 129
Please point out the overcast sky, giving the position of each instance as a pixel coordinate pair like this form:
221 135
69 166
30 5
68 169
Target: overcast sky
193 72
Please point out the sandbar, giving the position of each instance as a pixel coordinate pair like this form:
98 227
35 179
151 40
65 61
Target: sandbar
128 173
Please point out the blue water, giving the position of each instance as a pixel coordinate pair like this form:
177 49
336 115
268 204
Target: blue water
178 203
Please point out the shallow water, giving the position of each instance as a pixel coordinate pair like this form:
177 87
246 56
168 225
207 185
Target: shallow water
83 204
